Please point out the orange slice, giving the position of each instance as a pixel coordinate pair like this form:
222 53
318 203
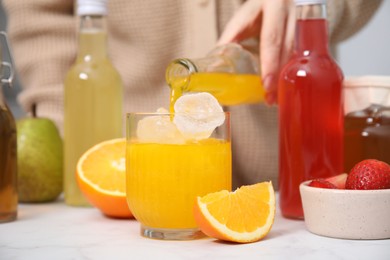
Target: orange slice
101 175
243 216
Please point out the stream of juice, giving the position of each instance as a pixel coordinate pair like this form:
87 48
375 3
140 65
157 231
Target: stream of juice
165 179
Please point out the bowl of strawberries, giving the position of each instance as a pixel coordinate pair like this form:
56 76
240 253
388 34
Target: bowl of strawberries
350 206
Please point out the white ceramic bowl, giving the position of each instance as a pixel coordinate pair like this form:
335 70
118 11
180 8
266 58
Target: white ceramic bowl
347 214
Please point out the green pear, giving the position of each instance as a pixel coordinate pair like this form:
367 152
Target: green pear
40 160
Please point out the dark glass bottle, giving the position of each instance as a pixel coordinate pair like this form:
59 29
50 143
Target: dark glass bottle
8 153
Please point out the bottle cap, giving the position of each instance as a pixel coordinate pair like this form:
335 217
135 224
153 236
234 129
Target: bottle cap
309 2
91 7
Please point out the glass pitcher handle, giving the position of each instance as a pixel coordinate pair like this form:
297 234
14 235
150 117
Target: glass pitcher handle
8 64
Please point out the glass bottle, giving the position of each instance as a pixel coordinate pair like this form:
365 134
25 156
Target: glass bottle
93 95
229 72
8 151
310 109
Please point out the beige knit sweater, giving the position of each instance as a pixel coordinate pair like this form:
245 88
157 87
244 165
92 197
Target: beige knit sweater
144 36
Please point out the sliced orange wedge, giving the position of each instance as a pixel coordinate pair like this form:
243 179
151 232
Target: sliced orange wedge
243 216
101 175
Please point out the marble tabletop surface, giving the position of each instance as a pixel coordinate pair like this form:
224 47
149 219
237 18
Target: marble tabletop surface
56 231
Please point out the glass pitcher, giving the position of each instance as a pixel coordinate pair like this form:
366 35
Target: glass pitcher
229 72
367 120
8 152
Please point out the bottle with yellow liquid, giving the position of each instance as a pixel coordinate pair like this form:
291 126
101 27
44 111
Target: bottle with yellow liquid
93 96
228 72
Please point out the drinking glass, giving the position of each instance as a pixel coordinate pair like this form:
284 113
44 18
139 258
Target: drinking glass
166 171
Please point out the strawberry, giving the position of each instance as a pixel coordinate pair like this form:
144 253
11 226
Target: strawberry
338 180
322 183
335 182
369 174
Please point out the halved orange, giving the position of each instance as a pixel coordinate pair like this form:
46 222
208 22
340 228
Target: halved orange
101 175
244 215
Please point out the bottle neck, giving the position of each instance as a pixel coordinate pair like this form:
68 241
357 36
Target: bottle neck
92 38
311 34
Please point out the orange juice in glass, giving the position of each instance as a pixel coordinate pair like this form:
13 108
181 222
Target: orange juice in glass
166 172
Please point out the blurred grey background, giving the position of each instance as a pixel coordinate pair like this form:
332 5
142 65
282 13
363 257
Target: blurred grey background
366 53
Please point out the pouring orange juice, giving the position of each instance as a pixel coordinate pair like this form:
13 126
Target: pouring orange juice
229 73
175 156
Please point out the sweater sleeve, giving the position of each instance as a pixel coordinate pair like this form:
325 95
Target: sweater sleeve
43 39
346 17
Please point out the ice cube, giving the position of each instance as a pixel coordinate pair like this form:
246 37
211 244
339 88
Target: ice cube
197 115
159 129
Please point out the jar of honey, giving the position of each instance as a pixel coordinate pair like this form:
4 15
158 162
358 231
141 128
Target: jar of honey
367 120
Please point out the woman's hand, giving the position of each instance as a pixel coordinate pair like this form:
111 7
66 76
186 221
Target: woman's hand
273 22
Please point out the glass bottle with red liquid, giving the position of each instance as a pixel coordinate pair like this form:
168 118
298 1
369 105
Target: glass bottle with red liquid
310 109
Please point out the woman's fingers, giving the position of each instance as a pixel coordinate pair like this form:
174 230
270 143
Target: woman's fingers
272 43
288 46
273 22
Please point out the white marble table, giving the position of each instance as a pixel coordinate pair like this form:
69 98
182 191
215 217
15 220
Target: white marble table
57 231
